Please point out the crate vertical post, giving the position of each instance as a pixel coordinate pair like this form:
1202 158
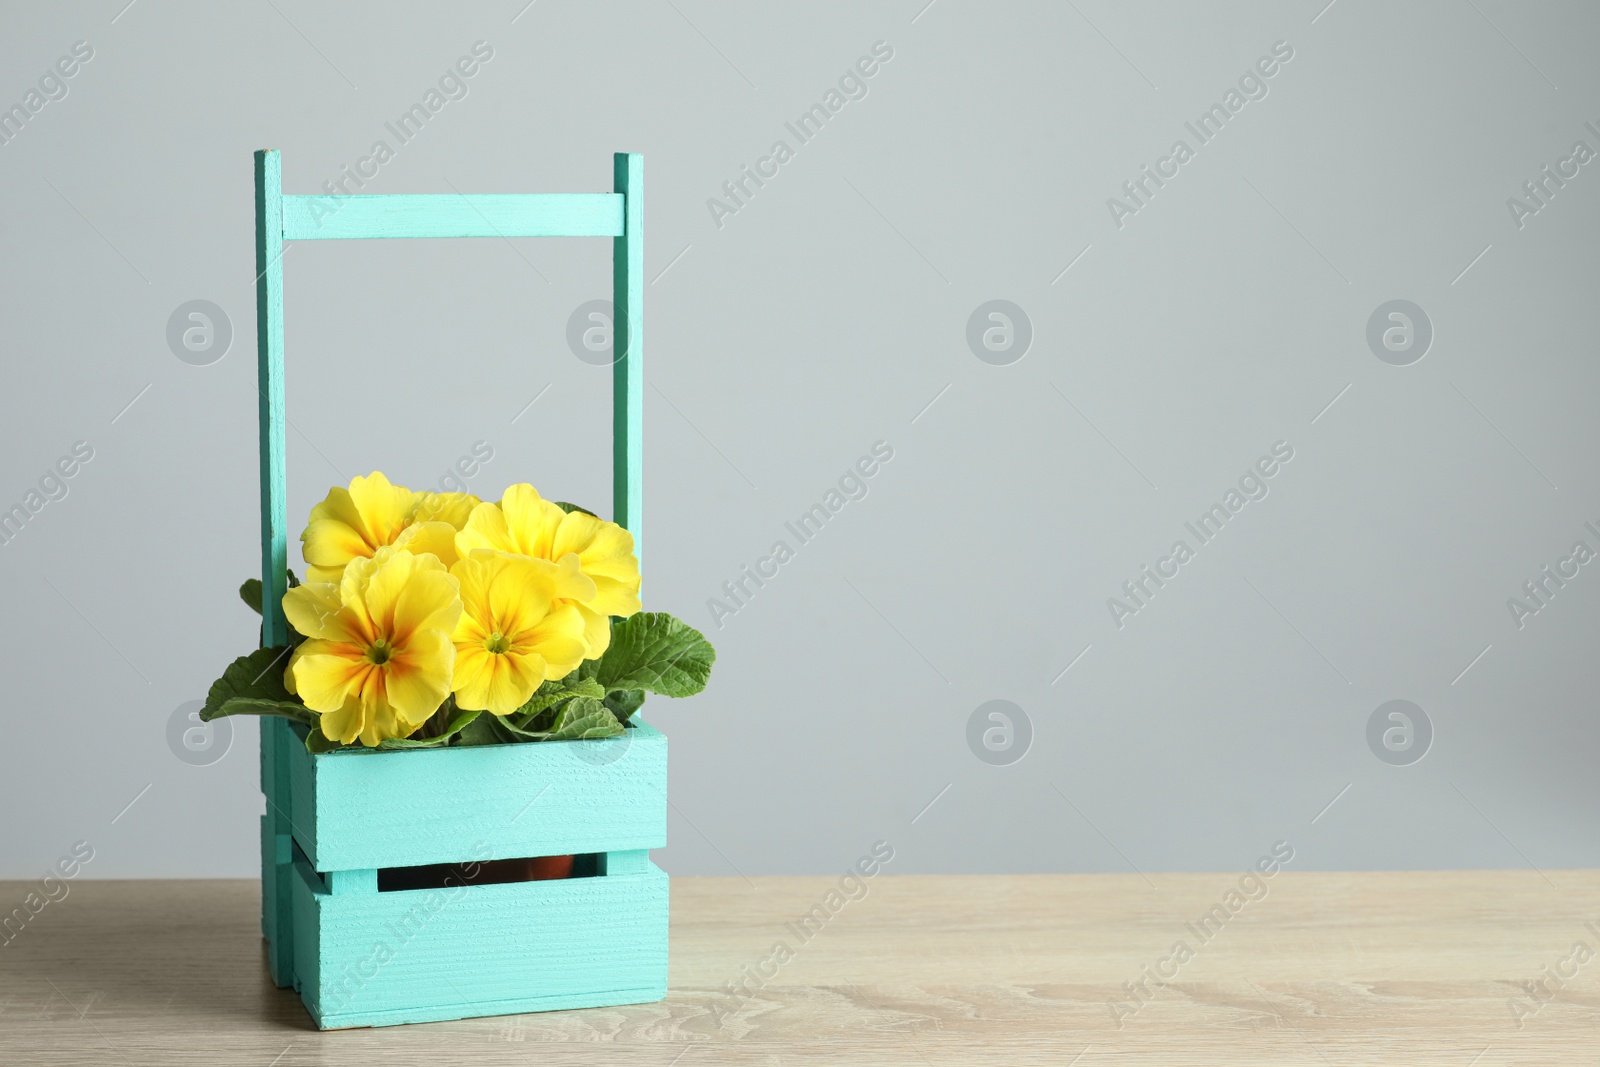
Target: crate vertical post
627 333
276 852
627 383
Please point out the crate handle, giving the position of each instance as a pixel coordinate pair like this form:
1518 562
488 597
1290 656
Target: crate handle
618 215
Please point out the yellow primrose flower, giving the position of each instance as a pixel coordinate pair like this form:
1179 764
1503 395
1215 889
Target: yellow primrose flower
525 524
436 518
377 658
516 629
354 523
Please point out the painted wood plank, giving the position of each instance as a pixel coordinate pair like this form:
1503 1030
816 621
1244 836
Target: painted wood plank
523 946
627 373
356 810
269 385
276 907
630 861
349 883
398 215
277 853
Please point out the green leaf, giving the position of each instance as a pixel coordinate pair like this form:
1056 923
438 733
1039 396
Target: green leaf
624 702
552 693
460 721
258 676
316 743
570 508
512 733
482 731
288 709
250 591
585 719
658 653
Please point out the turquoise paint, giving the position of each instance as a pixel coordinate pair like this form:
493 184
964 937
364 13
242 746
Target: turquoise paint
627 332
432 954
397 215
359 810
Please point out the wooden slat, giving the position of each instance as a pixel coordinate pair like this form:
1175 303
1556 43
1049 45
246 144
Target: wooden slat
351 883
627 373
396 215
356 810
505 949
633 861
276 916
269 384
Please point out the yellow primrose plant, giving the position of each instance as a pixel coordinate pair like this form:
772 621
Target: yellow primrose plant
422 611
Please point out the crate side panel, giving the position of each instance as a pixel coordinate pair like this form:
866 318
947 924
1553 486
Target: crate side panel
438 954
302 781
400 809
306 886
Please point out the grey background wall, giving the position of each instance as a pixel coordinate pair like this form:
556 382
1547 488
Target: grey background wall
1174 343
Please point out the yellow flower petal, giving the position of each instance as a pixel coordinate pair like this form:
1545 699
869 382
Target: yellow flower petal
408 593
512 682
485 531
596 632
451 508
513 633
558 639
436 538
344 724
384 509
332 542
380 661
327 672
314 610
354 523
584 547
417 678
531 519
567 579
474 670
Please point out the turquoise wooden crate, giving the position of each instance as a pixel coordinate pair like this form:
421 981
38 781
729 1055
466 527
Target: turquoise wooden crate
362 956
339 826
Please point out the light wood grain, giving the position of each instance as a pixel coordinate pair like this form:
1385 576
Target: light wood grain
1385 968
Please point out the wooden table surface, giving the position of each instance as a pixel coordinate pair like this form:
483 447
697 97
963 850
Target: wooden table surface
1385 968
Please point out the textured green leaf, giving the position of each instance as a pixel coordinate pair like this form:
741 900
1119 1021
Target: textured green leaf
483 731
510 731
288 709
258 676
658 653
250 591
585 719
552 693
570 508
316 743
460 721
624 702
